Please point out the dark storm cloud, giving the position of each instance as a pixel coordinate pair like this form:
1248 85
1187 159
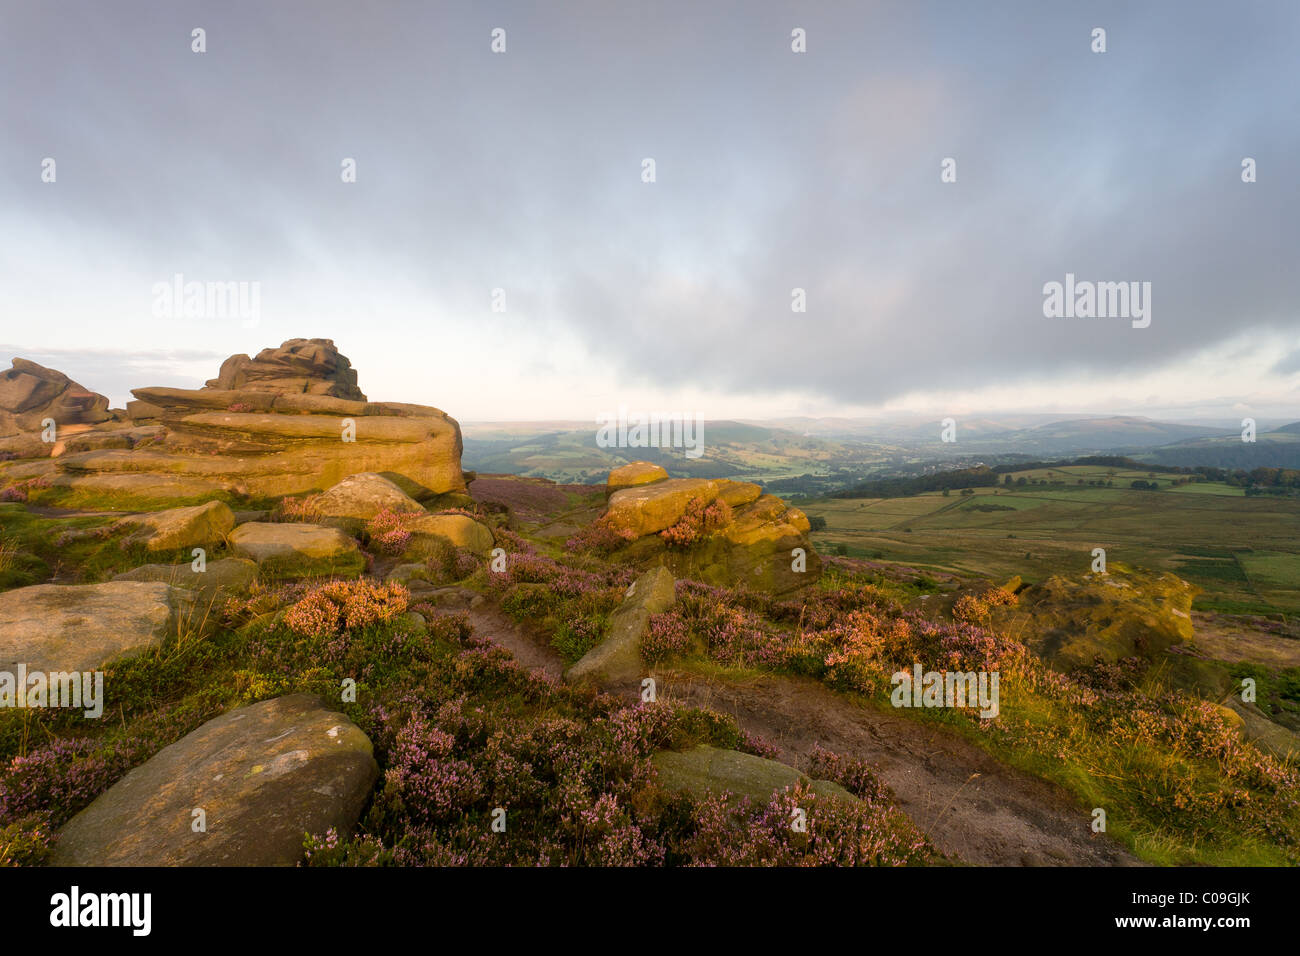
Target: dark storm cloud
775 170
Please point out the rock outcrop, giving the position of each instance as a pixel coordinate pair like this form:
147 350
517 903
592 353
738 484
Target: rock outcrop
81 627
617 659
288 422
1075 621
263 777
633 474
298 366
30 393
291 550
718 531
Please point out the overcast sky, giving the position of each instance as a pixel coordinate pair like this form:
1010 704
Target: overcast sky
774 170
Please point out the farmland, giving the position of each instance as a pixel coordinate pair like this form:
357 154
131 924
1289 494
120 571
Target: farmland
1243 552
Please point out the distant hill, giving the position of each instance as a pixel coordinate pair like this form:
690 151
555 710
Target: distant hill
1279 448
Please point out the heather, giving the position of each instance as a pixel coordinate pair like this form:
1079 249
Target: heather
569 605
459 730
571 771
1179 784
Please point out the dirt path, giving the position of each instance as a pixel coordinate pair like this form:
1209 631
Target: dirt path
973 808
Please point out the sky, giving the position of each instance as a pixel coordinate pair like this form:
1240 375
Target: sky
523 171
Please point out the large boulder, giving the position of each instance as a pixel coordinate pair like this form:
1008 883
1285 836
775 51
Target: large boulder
81 627
1073 621
706 770
290 550
460 531
761 543
633 474
176 528
649 509
617 659
30 393
263 777
358 498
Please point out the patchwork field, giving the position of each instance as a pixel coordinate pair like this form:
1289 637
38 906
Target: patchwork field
1243 552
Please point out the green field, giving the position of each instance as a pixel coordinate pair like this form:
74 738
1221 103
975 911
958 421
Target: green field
1243 552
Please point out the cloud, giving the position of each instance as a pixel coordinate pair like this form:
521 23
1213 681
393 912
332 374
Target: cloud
775 170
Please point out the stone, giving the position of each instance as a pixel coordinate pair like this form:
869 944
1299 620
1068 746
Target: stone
81 627
617 659
755 549
313 366
1073 621
633 474
292 550
358 498
265 775
176 528
1255 726
30 393
647 509
219 579
706 770
404 574
461 531
737 493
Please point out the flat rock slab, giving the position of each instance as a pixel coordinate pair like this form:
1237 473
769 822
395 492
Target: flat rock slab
288 549
264 775
617 658
81 627
223 577
704 770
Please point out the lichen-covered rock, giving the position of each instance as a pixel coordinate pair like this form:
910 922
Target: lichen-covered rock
759 543
291 550
705 770
649 509
617 659
737 493
358 498
461 531
1075 621
218 579
81 627
262 776
633 474
176 528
